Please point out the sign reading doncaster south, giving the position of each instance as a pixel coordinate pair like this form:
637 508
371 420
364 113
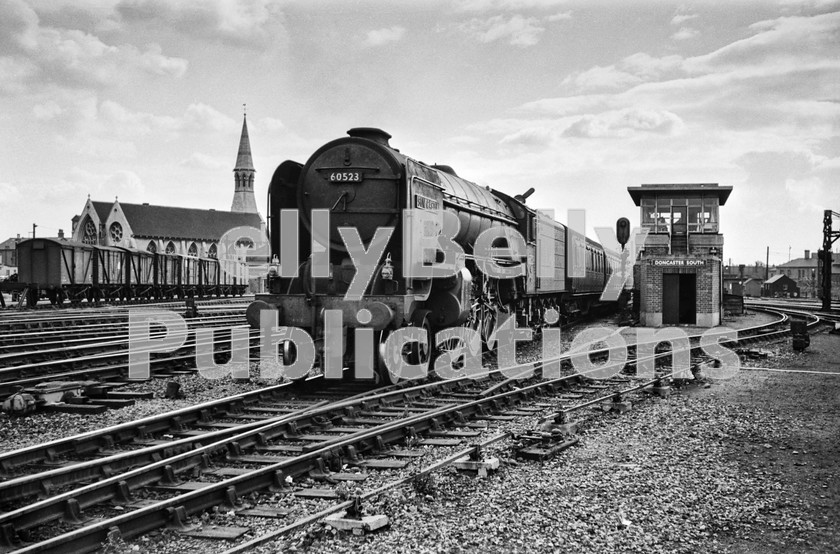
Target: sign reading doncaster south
677 262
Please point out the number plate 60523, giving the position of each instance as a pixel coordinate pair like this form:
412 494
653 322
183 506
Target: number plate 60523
345 176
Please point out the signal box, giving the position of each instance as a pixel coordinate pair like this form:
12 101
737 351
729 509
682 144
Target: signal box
677 276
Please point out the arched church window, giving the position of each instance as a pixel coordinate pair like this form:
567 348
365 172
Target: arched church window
170 247
116 232
213 252
152 247
90 236
192 250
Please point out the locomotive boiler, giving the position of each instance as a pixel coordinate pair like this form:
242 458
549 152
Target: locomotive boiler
359 190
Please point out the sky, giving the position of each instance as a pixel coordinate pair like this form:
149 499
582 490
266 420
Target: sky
142 100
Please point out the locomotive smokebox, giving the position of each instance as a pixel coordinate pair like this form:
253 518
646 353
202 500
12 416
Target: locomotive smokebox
357 179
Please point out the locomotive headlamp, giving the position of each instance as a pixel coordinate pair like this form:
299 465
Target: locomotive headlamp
272 271
388 269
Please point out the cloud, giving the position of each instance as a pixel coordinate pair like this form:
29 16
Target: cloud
201 117
625 123
681 18
685 33
271 124
772 168
810 194
631 71
197 160
380 37
533 137
46 111
11 193
649 67
777 44
517 30
253 23
38 56
780 80
123 182
601 78
84 125
560 16
507 5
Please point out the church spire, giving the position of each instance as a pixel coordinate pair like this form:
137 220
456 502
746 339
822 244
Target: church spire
243 158
243 174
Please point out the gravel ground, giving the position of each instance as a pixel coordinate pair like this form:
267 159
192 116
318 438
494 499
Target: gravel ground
21 432
745 465
43 427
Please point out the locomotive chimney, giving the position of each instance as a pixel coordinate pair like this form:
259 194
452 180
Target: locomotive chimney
370 133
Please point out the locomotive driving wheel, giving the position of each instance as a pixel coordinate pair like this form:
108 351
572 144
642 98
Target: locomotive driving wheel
418 352
488 326
483 312
455 350
289 352
380 368
415 353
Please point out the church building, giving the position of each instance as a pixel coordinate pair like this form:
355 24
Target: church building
186 231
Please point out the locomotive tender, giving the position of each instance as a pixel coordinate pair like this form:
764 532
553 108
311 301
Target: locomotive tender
75 271
362 182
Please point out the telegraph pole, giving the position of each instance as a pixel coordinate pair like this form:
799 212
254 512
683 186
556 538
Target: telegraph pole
767 265
829 236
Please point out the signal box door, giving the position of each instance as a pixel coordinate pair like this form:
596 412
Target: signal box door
679 298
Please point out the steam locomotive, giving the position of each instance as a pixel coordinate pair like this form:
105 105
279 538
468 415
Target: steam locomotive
361 184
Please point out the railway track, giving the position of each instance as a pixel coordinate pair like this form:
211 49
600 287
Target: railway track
240 450
86 331
63 355
45 308
69 317
797 305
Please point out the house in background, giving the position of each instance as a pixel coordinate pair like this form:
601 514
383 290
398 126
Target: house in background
781 286
8 257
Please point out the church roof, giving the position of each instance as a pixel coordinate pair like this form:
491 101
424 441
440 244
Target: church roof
184 223
243 157
102 209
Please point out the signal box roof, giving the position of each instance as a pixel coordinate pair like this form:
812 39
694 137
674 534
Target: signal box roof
679 190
